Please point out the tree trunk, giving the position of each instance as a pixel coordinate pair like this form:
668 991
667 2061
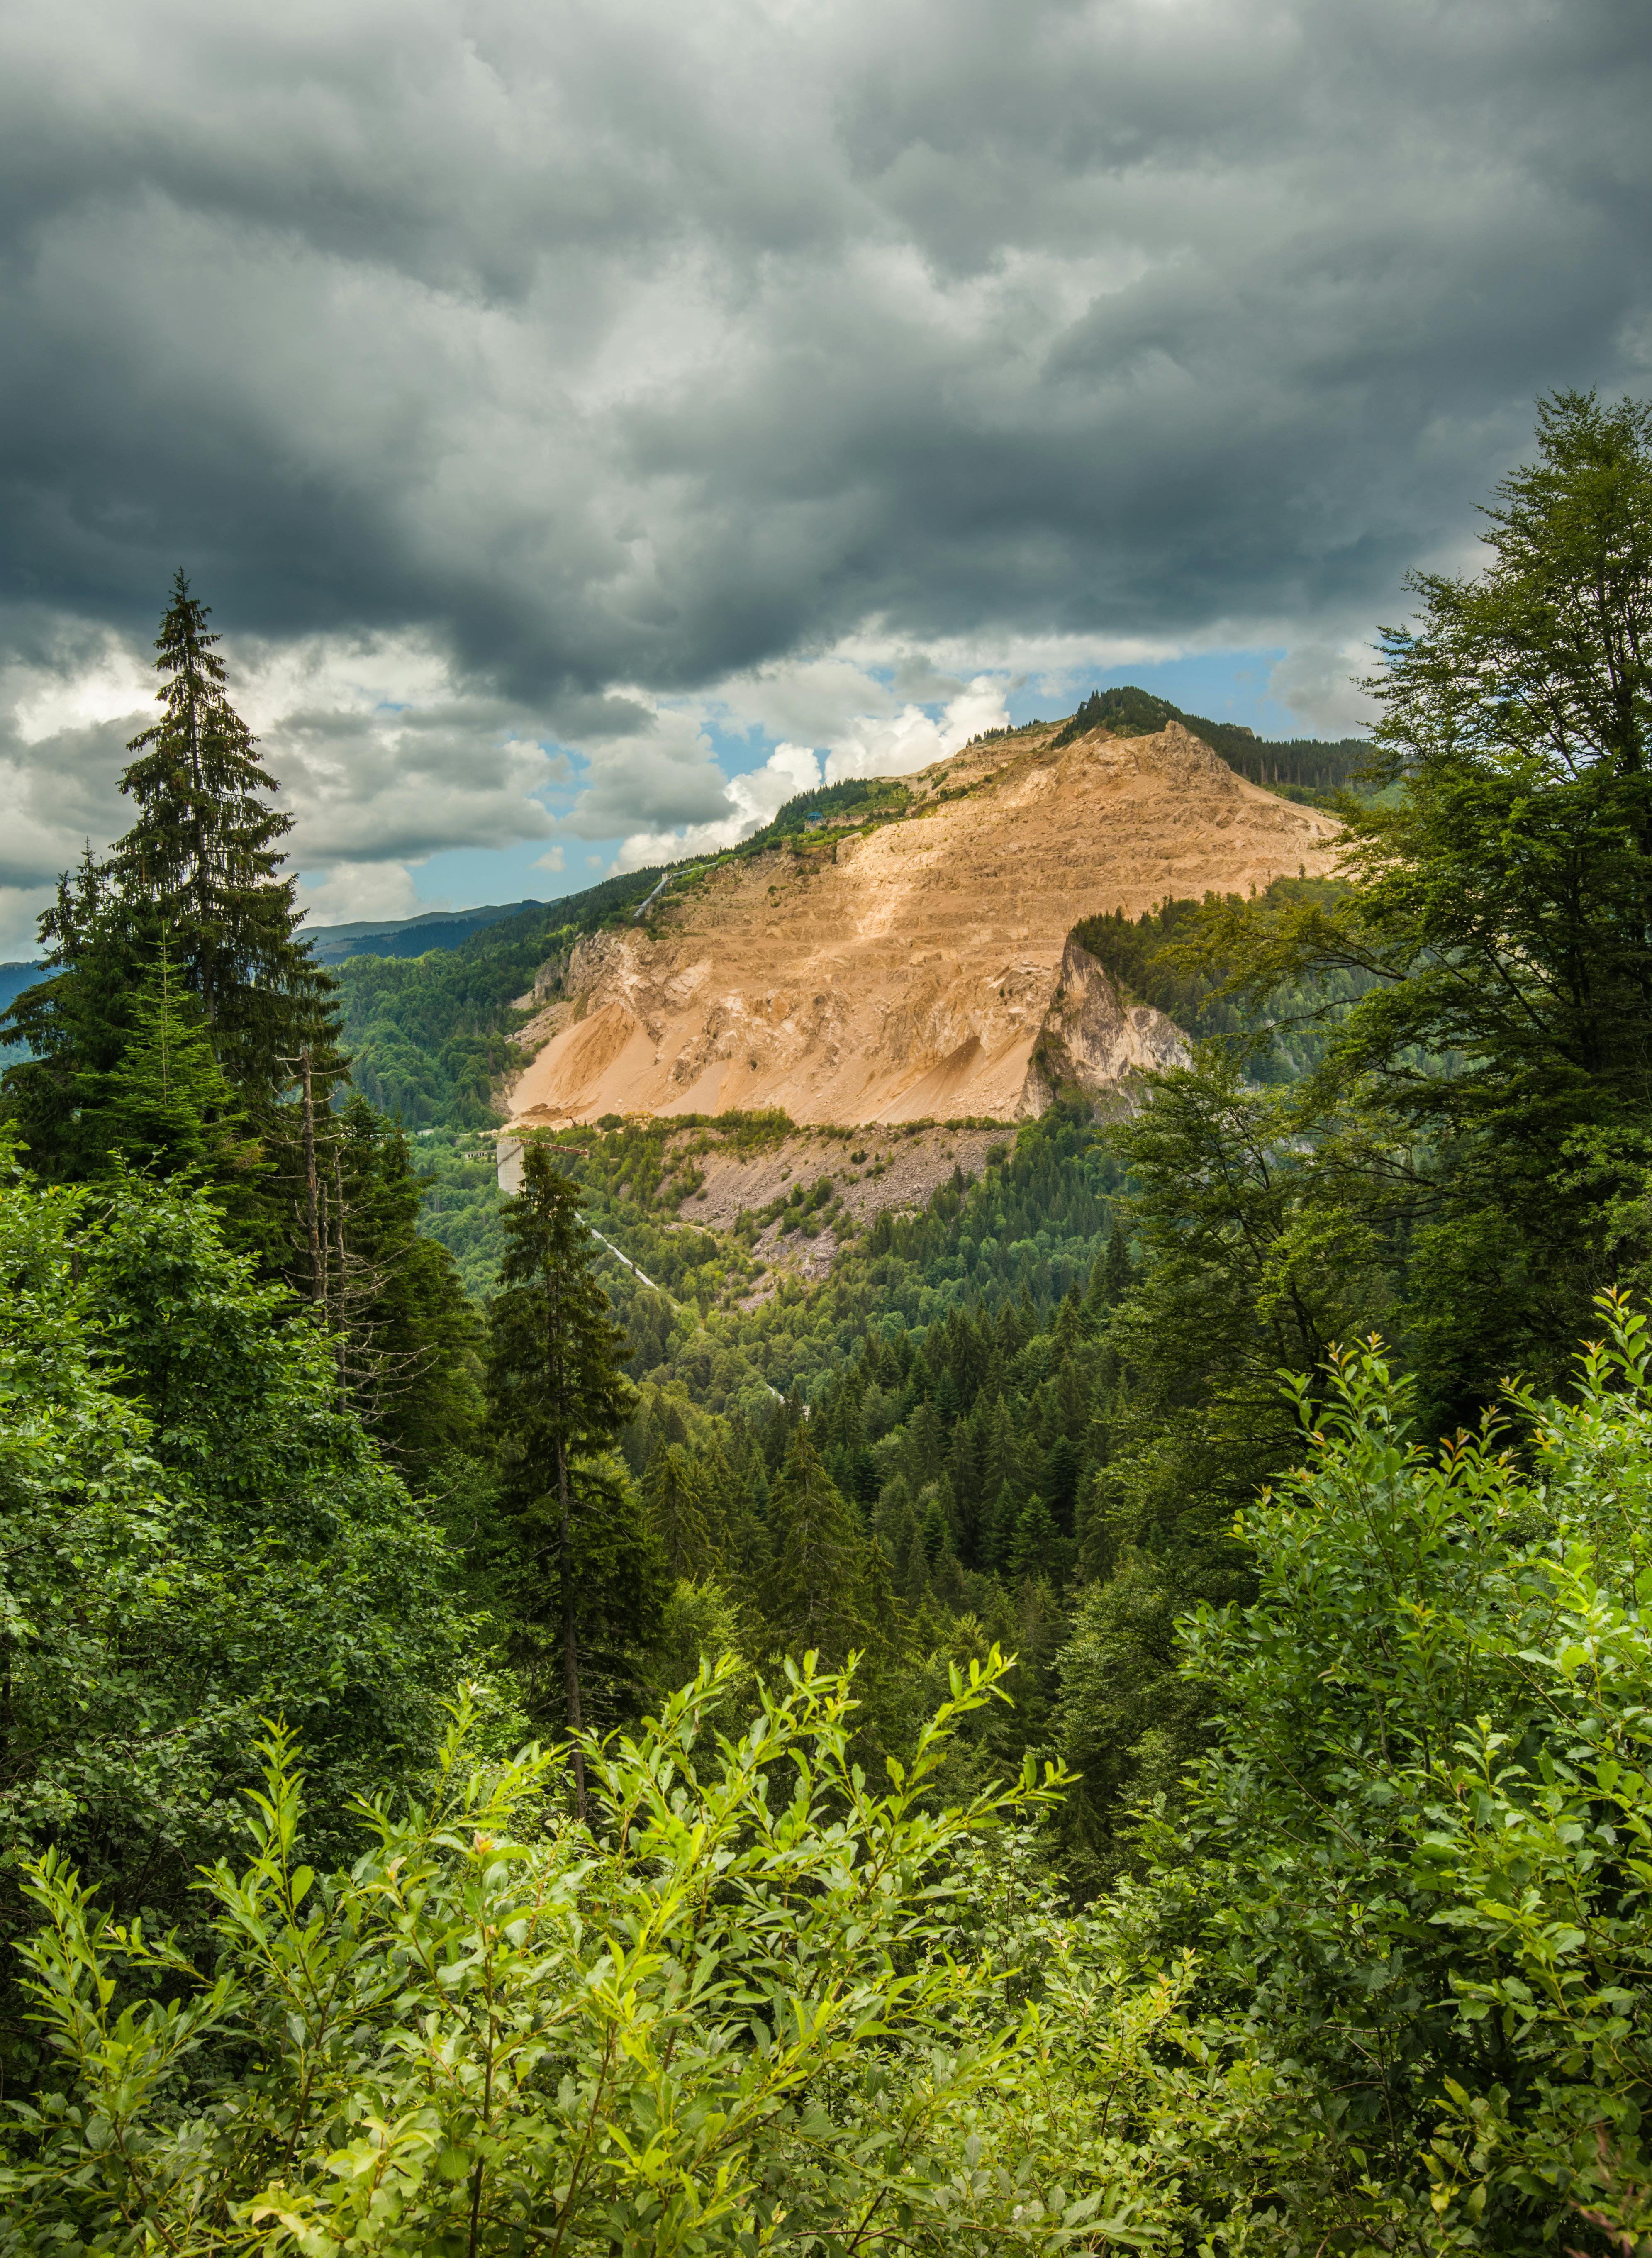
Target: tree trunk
570 1643
203 903
343 1298
312 1190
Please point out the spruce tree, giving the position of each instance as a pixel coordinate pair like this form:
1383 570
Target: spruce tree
926 1449
556 1393
1004 1521
998 1473
1115 1268
963 1470
166 1108
676 1507
1063 1469
407 1336
914 1581
933 1522
201 864
1037 1549
814 1584
204 857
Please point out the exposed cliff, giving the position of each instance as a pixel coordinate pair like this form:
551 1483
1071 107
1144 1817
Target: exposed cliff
919 969
1093 1040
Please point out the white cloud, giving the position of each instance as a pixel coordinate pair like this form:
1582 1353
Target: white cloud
353 890
911 740
552 859
752 799
79 688
760 793
1318 683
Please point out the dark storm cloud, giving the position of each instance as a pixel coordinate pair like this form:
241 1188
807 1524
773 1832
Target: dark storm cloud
640 343
592 355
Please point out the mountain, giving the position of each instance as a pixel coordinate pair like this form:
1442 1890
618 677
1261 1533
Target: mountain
913 959
431 1003
14 979
413 936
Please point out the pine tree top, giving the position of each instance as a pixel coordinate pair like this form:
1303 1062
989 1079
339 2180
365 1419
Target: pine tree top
204 858
200 748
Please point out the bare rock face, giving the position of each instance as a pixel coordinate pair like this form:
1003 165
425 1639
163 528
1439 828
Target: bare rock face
911 971
1094 1042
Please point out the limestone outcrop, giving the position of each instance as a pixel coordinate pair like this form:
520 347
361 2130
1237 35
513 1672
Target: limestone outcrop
1093 1041
920 970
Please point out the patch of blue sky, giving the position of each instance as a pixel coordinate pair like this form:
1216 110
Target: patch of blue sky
1224 685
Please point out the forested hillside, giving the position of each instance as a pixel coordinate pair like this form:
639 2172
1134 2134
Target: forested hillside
1300 768
430 1036
1108 1711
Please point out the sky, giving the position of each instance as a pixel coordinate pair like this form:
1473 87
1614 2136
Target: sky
591 424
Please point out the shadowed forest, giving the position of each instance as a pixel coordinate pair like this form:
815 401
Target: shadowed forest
1117 1718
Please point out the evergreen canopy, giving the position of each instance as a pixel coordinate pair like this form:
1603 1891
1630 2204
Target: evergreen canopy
204 858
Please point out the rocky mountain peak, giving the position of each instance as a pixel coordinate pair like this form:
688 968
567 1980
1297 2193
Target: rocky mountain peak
920 967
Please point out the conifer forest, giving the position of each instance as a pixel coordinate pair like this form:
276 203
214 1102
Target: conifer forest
1118 1718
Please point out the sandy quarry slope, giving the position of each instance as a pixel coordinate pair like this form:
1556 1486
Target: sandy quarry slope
907 972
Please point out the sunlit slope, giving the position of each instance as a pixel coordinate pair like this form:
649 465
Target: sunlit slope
909 970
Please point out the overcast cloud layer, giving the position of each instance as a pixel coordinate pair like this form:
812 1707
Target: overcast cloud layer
566 409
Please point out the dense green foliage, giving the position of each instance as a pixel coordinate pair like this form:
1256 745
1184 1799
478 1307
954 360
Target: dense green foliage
1423 1837
1500 922
195 1536
1413 1859
1295 1900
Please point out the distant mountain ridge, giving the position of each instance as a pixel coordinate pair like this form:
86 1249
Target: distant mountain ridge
413 936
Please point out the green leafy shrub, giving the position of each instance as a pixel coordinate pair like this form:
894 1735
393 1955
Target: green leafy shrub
753 2007
1424 1848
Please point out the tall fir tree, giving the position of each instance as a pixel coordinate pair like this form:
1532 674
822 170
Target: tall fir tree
201 864
204 857
556 1394
676 1505
408 1336
166 1108
813 1599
